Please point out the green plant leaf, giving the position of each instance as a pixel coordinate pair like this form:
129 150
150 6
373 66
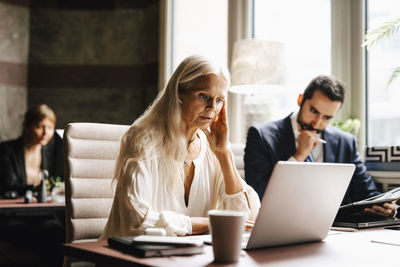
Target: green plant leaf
350 125
387 29
394 75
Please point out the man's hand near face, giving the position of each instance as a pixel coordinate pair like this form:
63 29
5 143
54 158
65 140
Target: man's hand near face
307 141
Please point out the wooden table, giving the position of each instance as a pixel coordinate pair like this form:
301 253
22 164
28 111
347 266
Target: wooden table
338 249
12 206
16 209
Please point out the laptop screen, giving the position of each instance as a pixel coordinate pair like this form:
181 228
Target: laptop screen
300 202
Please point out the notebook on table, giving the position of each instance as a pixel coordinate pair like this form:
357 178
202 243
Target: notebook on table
156 246
300 203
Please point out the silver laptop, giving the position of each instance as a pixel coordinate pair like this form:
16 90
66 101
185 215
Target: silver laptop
299 203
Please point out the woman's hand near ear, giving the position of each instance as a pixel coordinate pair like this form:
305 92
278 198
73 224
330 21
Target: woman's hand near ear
219 144
218 134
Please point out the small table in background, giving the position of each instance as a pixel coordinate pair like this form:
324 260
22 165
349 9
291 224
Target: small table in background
17 206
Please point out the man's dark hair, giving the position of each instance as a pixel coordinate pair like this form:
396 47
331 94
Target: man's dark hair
328 86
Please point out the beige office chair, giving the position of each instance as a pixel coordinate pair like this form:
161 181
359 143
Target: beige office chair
90 151
238 153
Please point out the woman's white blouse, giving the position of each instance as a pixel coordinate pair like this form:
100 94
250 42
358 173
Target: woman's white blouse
144 201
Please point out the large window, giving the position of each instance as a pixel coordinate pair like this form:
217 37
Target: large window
318 36
383 111
304 28
199 27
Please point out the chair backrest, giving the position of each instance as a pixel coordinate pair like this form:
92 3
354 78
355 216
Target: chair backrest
90 152
238 153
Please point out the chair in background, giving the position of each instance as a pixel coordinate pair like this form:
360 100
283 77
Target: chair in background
238 153
90 152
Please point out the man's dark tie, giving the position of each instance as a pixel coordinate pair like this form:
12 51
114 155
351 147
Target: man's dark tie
309 158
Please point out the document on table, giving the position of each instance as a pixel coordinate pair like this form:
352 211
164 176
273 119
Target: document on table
366 203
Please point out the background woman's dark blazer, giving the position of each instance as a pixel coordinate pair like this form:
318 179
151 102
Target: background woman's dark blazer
12 163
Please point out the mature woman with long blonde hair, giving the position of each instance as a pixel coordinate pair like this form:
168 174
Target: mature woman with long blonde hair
175 162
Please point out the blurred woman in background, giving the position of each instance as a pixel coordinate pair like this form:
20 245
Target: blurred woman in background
22 160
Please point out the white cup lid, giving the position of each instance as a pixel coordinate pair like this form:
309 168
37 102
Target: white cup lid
225 213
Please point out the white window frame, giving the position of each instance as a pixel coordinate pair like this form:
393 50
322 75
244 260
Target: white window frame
348 59
239 23
165 43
